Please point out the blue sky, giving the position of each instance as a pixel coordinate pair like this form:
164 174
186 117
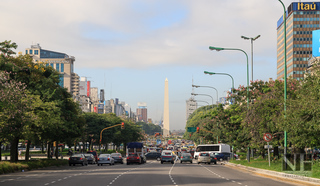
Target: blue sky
129 47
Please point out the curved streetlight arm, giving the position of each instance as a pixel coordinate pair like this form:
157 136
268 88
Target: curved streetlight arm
219 48
203 95
197 86
212 73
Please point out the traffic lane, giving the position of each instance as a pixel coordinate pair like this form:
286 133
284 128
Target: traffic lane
153 173
240 176
194 174
64 176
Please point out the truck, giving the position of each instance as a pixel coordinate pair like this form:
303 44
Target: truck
138 148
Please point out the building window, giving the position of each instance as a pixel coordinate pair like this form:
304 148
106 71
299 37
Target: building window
57 67
36 52
26 51
61 82
30 51
51 64
47 64
62 67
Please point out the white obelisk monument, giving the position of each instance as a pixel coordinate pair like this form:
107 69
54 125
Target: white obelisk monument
166 126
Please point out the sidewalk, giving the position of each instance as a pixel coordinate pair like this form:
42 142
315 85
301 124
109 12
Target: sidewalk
278 175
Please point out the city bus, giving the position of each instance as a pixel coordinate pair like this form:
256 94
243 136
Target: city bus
212 148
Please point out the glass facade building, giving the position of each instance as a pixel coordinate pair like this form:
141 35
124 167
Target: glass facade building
302 19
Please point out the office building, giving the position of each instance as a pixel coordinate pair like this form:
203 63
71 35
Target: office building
61 62
142 112
302 19
191 106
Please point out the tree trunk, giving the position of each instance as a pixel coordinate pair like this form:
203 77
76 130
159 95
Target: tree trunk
49 150
14 150
276 152
42 147
0 151
27 150
56 152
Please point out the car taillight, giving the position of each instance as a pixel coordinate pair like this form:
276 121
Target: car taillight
127 158
137 158
119 156
98 159
69 158
215 158
80 158
181 157
108 158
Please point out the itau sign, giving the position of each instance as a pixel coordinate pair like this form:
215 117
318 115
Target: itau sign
267 137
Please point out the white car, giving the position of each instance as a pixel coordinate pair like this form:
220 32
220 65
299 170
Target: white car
105 159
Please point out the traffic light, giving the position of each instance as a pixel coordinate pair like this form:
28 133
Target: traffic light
122 125
198 129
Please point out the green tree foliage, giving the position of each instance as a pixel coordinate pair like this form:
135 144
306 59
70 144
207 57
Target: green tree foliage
149 128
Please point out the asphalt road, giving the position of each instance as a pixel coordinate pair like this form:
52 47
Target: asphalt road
151 173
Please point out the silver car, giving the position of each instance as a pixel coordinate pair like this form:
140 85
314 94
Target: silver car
105 159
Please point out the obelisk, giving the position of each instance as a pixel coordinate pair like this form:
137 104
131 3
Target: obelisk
166 126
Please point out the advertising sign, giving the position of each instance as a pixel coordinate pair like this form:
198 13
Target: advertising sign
88 88
316 43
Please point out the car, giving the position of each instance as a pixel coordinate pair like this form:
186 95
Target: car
90 158
78 159
105 159
117 157
213 158
134 158
185 157
94 153
167 156
153 155
204 157
222 156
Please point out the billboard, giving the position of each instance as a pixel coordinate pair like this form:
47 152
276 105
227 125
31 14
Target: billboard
88 88
316 43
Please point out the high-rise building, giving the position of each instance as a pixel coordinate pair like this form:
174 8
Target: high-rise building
142 112
191 106
61 62
302 19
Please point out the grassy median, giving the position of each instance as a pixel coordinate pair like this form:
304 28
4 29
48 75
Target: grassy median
7 167
276 165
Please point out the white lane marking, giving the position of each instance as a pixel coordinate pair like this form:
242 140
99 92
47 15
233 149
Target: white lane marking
47 184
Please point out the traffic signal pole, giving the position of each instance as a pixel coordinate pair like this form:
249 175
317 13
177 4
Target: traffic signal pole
122 127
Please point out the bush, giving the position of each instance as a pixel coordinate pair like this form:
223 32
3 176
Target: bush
7 167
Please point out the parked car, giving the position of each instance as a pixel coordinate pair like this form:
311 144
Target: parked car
186 157
105 159
117 157
204 157
153 155
167 156
94 153
78 159
213 158
134 158
90 158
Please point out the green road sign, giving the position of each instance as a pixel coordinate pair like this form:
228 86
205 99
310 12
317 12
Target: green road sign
192 129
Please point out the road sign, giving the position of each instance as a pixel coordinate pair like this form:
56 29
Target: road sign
192 129
270 146
267 137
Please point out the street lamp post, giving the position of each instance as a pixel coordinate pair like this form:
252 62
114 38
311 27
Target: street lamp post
252 39
212 73
197 86
285 72
203 95
219 48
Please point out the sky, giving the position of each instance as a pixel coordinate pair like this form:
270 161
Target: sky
129 47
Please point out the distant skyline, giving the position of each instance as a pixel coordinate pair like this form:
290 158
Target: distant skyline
128 47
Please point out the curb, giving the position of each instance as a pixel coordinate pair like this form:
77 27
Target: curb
286 176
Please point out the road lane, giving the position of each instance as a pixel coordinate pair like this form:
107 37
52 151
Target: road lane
151 173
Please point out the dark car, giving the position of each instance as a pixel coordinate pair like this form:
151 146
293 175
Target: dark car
78 159
134 158
94 153
213 158
185 157
153 155
222 156
117 157
90 158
